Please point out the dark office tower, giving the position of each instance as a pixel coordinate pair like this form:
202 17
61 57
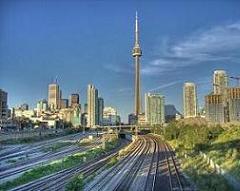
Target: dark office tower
74 100
85 109
100 110
3 105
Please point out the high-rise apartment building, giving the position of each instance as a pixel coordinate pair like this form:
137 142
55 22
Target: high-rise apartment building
92 101
100 110
54 97
74 100
216 104
3 105
233 103
220 82
215 109
189 100
154 108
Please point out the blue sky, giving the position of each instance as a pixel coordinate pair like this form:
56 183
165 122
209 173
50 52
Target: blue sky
85 42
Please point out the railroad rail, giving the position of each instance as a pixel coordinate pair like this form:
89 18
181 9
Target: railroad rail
57 180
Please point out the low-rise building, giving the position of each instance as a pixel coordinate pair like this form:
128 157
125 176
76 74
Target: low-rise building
110 116
42 106
24 113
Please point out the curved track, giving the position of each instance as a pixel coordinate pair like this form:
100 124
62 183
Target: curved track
151 165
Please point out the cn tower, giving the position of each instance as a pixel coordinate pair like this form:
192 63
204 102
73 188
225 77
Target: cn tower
137 53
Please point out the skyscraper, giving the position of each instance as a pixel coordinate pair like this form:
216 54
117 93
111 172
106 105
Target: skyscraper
74 100
214 105
154 108
233 100
3 105
54 96
92 101
100 110
189 100
220 82
137 53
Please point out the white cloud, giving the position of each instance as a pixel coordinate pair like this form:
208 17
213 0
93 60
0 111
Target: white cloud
215 44
165 85
124 90
117 68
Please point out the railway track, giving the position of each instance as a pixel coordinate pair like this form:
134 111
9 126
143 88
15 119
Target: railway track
152 157
23 166
107 176
174 181
129 178
58 180
178 181
27 149
40 161
149 166
29 164
153 170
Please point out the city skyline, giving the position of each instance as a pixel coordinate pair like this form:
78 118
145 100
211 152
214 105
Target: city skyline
30 54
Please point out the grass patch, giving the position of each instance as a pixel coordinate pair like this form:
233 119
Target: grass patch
203 176
218 143
76 184
221 144
112 162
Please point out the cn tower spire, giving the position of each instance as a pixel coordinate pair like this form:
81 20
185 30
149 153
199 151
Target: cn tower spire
136 30
137 53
